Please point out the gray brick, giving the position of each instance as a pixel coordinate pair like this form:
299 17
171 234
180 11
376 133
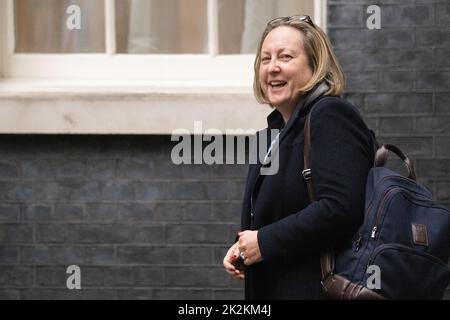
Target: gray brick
224 190
229 295
198 212
390 39
189 190
433 81
84 191
407 15
396 125
9 212
119 191
38 212
436 37
413 146
119 277
399 81
36 254
443 190
349 38
65 294
135 294
8 170
433 168
397 103
52 277
443 14
152 191
16 276
210 233
148 234
16 233
346 16
21 191
9 294
69 212
227 211
182 294
53 191
165 169
135 169
102 169
372 39
220 252
9 255
72 169
357 82
98 212
100 233
442 146
442 60
218 277
37 169
147 255
197 171
372 123
442 103
52 233
432 124
385 59
149 277
100 255
61 255
68 255
197 255
91 276
196 277
151 211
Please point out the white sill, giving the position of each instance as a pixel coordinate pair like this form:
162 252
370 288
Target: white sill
29 106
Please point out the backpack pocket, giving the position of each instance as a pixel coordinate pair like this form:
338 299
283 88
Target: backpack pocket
408 273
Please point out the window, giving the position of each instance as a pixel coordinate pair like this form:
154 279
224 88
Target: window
198 42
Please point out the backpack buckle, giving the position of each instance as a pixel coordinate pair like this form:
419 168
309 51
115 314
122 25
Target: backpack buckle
307 174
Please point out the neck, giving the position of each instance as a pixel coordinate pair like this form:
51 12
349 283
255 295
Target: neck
286 111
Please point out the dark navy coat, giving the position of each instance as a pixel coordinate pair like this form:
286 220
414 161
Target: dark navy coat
293 232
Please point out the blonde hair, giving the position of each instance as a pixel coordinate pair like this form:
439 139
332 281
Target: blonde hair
322 60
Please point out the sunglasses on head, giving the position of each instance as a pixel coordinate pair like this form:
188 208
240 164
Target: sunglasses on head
304 18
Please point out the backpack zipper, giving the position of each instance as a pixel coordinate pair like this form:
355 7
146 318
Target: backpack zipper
420 199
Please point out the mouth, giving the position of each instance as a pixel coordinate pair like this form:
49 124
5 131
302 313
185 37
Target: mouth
277 84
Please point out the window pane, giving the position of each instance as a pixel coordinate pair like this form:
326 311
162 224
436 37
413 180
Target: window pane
162 26
41 26
241 22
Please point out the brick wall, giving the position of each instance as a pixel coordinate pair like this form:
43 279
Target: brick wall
137 225
140 227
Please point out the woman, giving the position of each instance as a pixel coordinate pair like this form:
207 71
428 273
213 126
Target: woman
283 234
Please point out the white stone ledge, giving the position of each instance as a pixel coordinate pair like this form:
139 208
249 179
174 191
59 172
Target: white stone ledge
38 107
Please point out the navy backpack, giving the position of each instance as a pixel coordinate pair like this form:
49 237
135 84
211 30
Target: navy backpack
404 239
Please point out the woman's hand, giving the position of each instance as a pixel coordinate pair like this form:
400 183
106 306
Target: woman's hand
248 247
231 261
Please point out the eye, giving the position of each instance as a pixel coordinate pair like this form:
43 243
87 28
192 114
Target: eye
265 59
285 57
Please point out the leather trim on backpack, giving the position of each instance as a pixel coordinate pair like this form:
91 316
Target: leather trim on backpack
339 288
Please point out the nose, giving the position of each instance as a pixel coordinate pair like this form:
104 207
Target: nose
274 67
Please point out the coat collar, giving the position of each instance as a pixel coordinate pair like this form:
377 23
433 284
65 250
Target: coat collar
275 119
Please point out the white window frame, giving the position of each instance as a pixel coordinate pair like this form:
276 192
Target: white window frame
154 69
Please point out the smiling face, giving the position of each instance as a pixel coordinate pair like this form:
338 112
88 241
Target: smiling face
284 67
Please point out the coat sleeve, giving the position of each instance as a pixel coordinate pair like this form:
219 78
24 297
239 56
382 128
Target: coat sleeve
341 157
